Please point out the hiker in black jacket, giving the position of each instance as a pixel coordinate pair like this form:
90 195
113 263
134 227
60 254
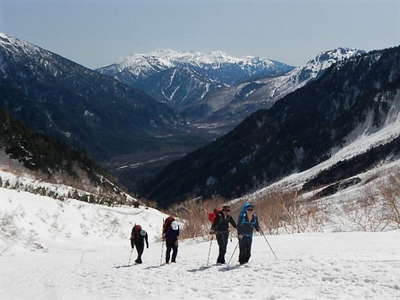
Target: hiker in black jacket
220 227
138 236
171 235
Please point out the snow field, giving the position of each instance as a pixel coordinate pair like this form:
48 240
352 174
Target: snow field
35 221
51 249
310 266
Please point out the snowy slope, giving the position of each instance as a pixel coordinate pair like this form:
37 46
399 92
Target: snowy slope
52 249
36 222
300 76
364 138
310 266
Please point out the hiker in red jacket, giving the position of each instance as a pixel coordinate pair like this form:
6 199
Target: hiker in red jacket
138 236
170 235
220 227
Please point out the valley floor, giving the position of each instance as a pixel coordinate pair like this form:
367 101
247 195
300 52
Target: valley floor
354 265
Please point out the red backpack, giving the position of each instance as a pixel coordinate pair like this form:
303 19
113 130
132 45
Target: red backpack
136 231
167 224
213 215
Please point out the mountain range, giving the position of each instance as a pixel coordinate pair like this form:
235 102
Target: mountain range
288 119
216 91
350 111
179 78
225 108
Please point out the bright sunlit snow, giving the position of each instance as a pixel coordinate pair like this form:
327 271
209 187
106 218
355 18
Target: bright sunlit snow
64 250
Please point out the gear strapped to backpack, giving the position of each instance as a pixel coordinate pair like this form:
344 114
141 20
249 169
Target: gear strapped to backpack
212 217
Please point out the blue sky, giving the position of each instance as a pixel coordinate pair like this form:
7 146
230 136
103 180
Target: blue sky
99 32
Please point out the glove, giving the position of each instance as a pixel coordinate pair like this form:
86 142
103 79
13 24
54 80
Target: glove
240 236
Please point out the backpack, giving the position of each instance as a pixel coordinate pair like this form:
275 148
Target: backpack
167 223
212 217
135 232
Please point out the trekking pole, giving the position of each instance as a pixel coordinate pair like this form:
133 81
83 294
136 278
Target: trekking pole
233 252
162 241
268 244
130 257
209 250
162 250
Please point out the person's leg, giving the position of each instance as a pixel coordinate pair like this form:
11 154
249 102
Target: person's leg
220 241
250 243
139 248
247 252
174 251
225 237
168 252
242 250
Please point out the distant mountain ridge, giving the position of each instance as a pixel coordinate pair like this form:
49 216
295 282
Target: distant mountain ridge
186 76
228 106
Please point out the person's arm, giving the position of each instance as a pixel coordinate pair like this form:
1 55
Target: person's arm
132 239
238 227
232 221
147 240
163 232
257 225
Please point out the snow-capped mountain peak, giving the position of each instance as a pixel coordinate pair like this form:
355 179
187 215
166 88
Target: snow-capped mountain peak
170 57
327 58
12 44
143 65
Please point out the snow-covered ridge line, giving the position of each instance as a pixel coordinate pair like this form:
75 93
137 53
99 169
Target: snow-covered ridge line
169 57
14 45
60 191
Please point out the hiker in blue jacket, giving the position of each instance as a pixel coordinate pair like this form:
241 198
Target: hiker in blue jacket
247 221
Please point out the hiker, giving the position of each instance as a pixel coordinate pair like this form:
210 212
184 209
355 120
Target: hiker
220 227
247 221
170 235
138 236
